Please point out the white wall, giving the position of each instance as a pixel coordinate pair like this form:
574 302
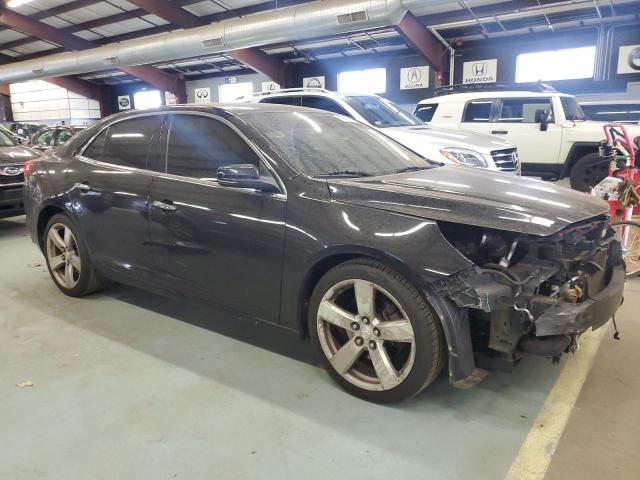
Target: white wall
632 93
42 102
213 83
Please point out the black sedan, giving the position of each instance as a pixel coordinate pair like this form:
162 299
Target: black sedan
12 159
392 264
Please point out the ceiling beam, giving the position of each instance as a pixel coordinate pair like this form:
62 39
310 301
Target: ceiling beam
253 57
169 12
422 41
147 73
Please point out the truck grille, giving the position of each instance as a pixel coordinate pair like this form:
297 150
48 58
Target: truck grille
506 160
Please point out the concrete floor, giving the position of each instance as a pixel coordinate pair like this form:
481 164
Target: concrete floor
127 384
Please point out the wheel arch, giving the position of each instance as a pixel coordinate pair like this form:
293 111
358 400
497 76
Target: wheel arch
44 216
453 320
577 151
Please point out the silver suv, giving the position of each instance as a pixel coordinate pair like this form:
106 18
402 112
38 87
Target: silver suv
440 144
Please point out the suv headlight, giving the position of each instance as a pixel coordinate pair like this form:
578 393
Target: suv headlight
463 156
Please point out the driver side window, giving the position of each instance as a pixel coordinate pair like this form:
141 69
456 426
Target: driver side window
198 145
524 110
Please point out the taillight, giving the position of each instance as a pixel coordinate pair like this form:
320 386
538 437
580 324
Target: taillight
28 165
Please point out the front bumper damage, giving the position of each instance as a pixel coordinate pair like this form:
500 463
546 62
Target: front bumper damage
540 297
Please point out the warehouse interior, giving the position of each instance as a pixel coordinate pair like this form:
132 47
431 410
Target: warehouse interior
514 127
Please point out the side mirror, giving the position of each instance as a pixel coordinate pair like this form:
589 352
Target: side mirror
542 117
243 175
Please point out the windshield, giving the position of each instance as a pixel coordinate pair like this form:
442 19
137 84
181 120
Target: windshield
572 111
381 113
325 144
5 140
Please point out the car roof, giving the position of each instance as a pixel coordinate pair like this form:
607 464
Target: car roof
320 92
231 108
465 97
611 102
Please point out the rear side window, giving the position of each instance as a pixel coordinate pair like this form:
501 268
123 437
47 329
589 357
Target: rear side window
44 138
425 111
478 111
63 136
523 110
322 103
282 100
199 145
127 142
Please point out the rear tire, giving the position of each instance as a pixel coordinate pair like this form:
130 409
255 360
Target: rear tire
375 332
68 259
588 171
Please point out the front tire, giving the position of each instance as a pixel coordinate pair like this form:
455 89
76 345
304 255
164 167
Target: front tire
588 171
68 259
375 332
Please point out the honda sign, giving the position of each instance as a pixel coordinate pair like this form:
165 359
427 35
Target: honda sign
480 71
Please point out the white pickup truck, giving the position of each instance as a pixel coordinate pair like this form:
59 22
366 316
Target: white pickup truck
553 136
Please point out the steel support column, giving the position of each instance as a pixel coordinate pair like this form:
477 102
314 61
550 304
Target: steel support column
422 41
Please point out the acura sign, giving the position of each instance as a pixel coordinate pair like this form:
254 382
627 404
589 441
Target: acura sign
414 77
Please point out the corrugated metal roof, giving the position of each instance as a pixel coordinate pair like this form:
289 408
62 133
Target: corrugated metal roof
92 12
9 35
33 47
136 23
207 7
122 27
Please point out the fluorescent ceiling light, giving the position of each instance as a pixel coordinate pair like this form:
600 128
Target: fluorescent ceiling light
16 3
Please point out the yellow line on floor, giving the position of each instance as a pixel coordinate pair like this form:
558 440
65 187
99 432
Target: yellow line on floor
534 456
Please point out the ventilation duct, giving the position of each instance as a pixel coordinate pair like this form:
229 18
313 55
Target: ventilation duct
213 42
310 20
353 17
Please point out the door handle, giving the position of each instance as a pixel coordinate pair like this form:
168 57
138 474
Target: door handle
83 187
165 205
499 132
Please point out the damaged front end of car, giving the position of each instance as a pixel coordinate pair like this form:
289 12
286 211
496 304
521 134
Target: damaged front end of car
532 294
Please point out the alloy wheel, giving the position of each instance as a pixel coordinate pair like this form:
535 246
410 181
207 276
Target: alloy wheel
366 335
62 255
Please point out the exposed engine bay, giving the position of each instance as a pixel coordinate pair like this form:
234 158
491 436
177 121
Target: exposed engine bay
532 294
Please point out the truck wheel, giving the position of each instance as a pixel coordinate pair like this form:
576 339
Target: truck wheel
588 172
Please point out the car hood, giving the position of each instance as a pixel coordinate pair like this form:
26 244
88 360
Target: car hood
593 130
17 155
424 139
472 196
